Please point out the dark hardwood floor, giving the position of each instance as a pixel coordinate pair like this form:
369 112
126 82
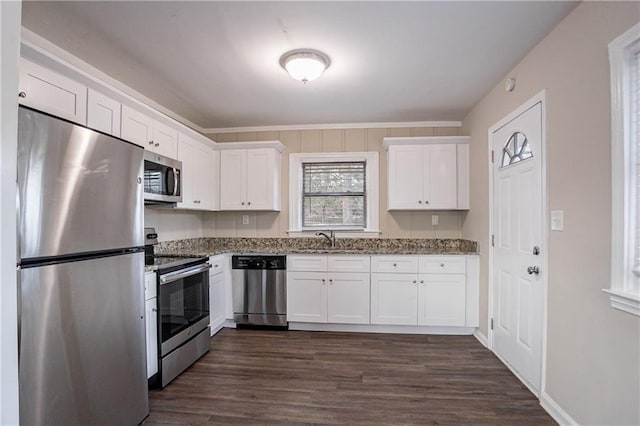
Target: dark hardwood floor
295 377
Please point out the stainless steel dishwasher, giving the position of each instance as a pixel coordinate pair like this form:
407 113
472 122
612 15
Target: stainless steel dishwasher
259 286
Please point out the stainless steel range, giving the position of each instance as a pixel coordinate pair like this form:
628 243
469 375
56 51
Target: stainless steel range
183 310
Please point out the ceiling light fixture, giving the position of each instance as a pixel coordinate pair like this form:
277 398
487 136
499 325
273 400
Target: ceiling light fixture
305 64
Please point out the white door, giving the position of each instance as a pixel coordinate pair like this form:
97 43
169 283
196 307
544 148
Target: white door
394 299
136 127
442 299
186 147
233 175
216 301
165 140
260 179
307 297
405 177
348 298
440 177
518 243
103 113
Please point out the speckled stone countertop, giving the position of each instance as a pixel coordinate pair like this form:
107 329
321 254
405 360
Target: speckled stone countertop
317 245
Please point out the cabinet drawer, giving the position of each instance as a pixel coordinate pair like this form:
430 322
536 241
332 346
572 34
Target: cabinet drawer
394 264
150 290
442 264
303 262
217 265
348 263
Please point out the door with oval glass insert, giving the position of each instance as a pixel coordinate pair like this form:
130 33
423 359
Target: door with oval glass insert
517 238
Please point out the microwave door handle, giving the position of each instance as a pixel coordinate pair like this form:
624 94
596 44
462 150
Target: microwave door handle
175 181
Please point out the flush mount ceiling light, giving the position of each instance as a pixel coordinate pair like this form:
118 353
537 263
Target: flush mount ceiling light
305 64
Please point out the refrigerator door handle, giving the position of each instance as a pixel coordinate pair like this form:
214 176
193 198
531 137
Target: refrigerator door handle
184 273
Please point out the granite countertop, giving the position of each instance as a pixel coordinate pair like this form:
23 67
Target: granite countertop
363 246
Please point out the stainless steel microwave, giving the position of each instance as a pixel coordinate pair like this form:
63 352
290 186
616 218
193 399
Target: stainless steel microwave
162 179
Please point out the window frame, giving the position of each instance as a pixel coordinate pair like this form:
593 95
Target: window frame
624 290
371 189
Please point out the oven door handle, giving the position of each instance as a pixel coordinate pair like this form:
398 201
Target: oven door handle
177 275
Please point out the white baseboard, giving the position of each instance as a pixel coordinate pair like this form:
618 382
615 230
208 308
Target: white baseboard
481 338
555 411
369 328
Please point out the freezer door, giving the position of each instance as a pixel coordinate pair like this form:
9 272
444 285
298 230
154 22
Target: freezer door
82 343
78 190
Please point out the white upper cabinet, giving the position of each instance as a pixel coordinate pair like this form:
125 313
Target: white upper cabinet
48 91
428 173
103 113
250 177
149 133
199 174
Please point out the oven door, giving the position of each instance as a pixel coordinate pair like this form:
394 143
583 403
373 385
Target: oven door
183 305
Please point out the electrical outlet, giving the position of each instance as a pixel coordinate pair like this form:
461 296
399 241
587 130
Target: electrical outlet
434 219
245 219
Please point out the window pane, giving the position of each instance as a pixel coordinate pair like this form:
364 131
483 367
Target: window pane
333 211
334 177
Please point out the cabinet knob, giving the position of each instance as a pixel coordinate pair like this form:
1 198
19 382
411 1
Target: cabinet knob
442 265
331 281
421 281
150 142
414 281
426 202
248 203
419 201
157 144
395 265
242 203
154 309
323 281
22 95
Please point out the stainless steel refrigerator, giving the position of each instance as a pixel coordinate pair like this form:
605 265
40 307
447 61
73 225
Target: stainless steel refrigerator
81 310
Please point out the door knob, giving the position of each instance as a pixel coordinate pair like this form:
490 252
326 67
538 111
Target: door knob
533 270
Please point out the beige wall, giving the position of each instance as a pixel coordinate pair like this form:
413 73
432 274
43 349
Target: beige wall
392 225
593 351
174 224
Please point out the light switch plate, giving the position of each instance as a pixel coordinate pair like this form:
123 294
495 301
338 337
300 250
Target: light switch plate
434 219
557 220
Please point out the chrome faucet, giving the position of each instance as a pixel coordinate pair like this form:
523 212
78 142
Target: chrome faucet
331 237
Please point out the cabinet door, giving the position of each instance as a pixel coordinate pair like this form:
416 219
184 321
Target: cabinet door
307 297
441 300
216 301
441 177
165 140
103 113
136 127
233 165
204 180
405 178
260 179
151 322
186 147
348 298
394 299
51 92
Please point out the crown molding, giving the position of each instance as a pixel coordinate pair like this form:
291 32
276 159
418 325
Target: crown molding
388 125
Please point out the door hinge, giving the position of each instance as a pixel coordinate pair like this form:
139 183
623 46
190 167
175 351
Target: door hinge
492 156
493 240
492 323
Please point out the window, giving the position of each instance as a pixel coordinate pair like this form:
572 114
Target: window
333 195
624 55
515 150
334 191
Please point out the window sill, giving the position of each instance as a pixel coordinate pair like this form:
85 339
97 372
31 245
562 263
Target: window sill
338 233
626 302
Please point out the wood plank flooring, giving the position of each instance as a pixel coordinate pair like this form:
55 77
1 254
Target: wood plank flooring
296 377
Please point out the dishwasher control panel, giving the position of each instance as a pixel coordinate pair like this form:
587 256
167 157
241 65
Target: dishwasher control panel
259 262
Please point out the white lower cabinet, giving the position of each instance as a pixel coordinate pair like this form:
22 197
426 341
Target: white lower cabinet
217 292
441 299
151 322
394 299
318 291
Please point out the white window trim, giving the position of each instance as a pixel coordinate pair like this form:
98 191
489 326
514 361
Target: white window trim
623 292
295 192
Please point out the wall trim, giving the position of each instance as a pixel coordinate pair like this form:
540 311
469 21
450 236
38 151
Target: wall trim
479 335
372 328
332 126
555 411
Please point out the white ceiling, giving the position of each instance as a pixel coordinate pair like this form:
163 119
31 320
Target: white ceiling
216 63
